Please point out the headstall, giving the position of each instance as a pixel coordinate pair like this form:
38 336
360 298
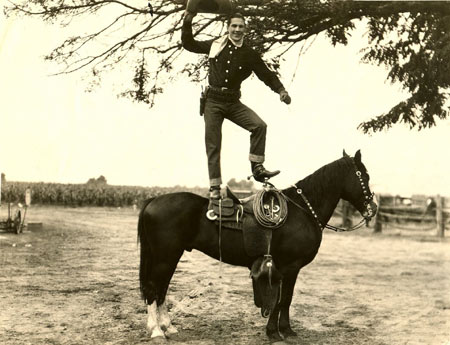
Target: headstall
368 197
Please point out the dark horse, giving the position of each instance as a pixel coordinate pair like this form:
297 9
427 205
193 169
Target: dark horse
172 223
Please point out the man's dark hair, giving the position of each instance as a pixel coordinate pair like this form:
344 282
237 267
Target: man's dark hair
235 15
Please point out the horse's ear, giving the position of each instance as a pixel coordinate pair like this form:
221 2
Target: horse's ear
345 153
358 156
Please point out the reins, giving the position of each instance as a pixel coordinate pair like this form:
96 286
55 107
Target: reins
367 199
327 226
314 214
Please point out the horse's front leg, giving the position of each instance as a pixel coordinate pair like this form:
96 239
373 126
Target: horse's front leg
272 330
285 303
278 326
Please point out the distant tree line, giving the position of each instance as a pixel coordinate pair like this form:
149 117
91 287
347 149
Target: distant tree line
241 185
100 181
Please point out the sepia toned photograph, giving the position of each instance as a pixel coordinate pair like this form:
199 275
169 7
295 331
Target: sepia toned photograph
209 172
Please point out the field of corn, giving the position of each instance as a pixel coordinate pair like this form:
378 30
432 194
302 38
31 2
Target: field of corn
85 194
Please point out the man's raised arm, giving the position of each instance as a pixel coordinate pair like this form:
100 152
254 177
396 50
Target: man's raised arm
187 39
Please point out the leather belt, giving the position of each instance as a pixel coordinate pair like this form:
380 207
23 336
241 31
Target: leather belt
223 88
223 94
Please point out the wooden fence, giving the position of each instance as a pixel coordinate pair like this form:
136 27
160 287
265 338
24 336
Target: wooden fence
415 213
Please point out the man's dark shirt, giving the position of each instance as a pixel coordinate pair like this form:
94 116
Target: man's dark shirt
233 64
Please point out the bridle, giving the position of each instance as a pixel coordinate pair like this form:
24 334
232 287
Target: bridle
368 198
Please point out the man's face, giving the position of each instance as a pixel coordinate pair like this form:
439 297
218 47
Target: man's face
236 29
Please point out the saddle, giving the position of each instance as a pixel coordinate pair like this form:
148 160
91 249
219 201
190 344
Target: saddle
239 214
228 211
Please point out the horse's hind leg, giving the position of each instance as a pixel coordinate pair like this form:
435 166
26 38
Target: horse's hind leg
164 320
152 321
158 322
163 268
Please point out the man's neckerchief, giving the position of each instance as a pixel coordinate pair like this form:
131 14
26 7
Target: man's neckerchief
220 43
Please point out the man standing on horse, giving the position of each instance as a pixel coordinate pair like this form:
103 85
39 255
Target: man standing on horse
231 61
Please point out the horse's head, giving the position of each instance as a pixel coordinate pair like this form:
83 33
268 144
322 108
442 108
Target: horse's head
356 187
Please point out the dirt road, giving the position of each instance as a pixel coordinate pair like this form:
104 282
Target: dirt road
75 281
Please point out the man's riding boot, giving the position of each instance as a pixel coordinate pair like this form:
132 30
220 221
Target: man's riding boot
214 194
261 174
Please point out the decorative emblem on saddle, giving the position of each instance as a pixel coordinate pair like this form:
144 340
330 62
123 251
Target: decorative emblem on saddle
270 207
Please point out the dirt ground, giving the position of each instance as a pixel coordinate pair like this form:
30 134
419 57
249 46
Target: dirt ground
75 281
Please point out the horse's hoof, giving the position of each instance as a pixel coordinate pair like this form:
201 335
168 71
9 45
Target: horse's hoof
274 337
174 338
157 333
158 341
171 330
288 332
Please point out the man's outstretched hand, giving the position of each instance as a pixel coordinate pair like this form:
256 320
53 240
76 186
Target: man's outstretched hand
284 97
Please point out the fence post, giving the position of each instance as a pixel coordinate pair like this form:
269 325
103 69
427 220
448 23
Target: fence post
440 217
378 226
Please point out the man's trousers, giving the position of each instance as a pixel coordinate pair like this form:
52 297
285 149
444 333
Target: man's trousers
243 116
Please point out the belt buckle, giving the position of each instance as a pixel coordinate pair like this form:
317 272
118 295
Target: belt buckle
224 88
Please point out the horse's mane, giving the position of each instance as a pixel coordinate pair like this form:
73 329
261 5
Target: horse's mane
324 178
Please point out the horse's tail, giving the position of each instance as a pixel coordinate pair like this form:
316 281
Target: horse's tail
148 291
140 220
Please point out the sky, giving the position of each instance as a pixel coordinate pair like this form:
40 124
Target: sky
54 131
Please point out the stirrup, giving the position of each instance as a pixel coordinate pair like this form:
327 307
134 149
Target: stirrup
211 215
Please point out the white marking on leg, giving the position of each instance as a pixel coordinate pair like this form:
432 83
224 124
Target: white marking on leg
164 320
152 321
